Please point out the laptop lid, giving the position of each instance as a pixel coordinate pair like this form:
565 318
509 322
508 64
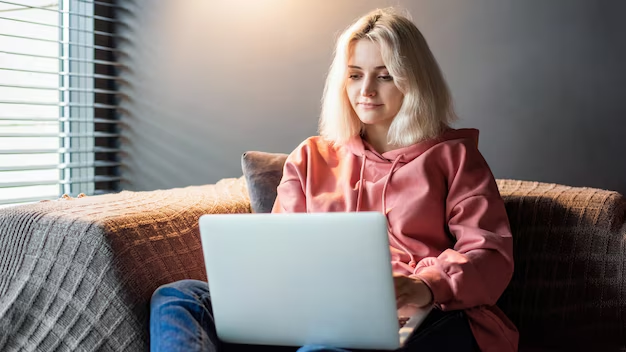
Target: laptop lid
301 278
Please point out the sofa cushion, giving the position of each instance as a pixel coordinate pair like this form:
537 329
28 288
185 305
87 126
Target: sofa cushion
262 172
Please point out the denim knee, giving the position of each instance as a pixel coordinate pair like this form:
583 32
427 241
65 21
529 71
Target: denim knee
190 295
190 289
180 317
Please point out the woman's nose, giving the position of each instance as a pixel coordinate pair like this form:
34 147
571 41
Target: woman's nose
367 89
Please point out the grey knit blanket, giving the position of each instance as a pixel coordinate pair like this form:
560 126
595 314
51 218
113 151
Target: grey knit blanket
77 275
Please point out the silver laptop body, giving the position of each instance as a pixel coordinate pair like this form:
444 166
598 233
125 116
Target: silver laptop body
303 278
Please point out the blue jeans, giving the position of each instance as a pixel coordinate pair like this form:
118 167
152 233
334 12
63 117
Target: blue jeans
181 319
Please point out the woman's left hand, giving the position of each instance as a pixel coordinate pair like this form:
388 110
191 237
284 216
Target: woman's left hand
411 290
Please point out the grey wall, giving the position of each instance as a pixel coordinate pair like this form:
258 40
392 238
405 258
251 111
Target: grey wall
205 81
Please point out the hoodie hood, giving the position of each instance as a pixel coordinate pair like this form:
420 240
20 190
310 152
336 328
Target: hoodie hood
360 147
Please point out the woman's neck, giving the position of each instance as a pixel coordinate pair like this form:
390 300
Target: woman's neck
376 136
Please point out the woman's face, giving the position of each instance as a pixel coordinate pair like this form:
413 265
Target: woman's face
371 90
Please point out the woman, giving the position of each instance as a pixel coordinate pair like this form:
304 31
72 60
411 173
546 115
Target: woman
385 145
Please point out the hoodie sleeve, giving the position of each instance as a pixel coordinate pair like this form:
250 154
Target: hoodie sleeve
479 267
290 197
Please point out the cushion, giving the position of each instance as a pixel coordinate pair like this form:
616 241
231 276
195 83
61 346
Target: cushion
263 172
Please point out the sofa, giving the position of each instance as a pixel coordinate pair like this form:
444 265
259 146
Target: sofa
77 274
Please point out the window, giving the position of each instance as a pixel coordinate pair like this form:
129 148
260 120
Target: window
58 126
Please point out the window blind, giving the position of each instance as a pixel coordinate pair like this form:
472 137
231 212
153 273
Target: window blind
58 120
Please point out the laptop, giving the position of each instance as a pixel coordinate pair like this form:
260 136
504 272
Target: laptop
303 278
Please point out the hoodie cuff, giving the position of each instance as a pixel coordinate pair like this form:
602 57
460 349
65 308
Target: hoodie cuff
435 278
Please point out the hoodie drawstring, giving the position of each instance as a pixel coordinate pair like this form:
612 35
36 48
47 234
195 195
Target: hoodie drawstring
393 167
359 198
412 262
360 193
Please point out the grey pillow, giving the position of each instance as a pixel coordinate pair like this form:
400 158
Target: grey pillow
263 172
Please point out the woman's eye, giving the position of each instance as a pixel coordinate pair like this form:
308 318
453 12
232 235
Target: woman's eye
353 76
386 78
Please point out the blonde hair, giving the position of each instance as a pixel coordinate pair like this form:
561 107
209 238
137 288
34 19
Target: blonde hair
427 106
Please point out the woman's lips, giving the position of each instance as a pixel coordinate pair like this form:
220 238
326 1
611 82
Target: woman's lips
370 105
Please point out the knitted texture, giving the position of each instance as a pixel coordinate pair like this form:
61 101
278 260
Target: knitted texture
568 290
78 274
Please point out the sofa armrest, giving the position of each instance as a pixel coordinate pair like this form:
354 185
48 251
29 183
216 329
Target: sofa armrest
78 274
569 248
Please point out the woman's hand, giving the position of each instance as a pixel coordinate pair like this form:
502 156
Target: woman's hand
411 290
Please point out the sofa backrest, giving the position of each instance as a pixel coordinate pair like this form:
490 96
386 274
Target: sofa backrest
568 289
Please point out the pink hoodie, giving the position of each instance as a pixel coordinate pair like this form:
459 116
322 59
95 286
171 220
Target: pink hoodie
447 222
